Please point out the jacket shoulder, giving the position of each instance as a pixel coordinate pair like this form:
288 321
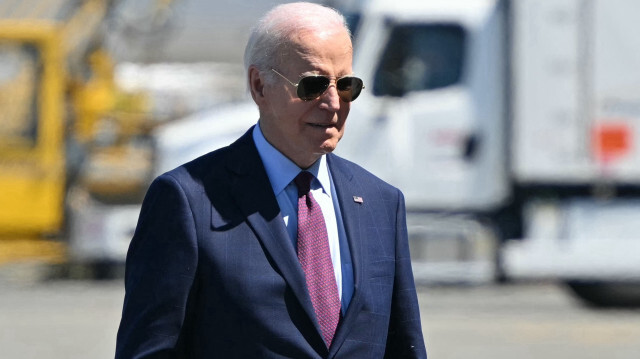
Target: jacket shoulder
216 164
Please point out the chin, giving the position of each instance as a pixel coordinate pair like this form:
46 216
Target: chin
327 148
330 144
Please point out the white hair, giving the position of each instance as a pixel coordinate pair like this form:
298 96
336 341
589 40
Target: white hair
273 32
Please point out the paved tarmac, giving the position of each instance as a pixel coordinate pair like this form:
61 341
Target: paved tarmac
67 319
523 321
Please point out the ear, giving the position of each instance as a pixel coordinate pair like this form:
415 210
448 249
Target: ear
256 84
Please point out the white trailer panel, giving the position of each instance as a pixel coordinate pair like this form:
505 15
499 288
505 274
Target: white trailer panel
576 91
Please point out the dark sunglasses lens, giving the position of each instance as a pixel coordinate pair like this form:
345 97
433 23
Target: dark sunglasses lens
349 88
312 87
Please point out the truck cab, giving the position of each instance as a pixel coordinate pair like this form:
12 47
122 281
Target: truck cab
433 103
431 122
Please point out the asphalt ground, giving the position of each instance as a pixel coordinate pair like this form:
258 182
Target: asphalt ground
66 319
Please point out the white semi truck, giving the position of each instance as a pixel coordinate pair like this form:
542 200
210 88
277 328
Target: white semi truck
513 129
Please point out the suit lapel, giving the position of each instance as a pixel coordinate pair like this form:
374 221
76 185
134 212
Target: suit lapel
346 189
253 193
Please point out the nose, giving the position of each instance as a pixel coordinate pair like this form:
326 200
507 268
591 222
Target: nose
330 99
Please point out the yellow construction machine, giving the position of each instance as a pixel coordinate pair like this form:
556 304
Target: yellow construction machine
75 157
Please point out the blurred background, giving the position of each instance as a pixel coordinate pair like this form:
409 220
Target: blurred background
511 126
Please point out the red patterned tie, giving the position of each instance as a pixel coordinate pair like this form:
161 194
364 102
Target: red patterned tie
315 257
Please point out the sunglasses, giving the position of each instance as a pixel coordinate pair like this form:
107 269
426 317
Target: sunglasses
312 87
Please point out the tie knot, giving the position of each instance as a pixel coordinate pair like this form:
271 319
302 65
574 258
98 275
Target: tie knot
303 182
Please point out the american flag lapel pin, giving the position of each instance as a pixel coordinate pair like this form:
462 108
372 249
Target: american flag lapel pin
358 199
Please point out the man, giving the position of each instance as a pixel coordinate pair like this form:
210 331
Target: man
273 247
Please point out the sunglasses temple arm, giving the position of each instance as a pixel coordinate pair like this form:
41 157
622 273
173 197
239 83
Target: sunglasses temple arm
281 75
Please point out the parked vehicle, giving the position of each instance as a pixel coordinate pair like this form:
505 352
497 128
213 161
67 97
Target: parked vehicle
75 152
513 129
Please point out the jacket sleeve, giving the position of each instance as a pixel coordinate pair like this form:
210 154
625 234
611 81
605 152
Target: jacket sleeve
160 271
405 339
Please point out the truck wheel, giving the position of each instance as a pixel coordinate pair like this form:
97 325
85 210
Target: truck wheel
607 294
106 270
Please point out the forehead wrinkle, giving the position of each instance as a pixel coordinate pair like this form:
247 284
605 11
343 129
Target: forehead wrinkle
317 63
302 39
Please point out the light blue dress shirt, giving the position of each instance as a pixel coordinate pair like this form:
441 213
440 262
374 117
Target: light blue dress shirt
281 172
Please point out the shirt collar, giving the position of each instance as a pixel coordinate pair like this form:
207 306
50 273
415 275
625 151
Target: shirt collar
281 170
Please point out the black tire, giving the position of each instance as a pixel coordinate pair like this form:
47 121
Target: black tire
106 270
599 294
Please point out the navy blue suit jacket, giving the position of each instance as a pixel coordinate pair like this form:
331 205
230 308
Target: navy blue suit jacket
211 274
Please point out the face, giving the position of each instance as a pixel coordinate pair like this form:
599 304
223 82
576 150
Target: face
305 130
